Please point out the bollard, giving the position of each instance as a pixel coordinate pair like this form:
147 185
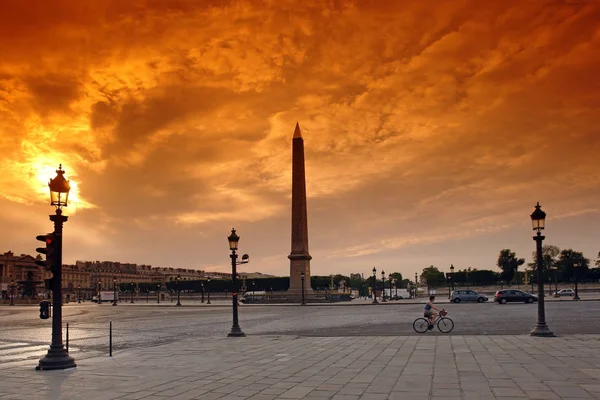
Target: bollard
67 337
110 340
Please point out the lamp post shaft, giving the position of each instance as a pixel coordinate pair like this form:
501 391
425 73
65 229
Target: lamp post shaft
374 289
576 297
57 356
236 331
541 328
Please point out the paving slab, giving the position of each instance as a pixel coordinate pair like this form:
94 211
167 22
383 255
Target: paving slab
333 368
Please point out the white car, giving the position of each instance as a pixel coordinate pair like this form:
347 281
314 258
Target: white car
565 292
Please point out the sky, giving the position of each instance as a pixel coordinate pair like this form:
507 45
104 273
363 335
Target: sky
431 129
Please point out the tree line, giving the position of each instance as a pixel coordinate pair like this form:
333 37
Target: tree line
557 265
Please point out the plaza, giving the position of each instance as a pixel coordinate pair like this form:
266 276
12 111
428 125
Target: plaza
350 351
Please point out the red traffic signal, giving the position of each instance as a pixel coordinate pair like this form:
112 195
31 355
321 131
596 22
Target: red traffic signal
49 251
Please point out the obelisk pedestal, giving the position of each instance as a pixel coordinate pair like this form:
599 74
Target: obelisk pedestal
299 256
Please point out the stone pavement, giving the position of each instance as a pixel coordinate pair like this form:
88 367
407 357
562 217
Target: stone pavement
431 366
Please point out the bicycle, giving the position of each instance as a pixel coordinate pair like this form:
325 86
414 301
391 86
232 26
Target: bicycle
444 324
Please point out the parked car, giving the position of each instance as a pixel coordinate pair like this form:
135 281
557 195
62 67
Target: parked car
467 295
510 295
565 292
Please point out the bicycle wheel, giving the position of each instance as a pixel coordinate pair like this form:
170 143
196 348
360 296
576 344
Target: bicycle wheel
445 324
421 325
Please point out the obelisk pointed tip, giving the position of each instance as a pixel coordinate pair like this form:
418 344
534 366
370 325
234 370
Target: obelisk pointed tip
297 133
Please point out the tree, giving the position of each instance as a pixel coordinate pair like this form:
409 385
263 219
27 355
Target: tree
433 276
550 254
567 259
509 264
397 276
598 260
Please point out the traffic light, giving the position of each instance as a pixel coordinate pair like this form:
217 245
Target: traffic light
49 251
44 309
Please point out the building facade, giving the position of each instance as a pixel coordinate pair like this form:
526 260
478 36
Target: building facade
85 278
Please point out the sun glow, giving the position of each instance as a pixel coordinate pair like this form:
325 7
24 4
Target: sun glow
44 169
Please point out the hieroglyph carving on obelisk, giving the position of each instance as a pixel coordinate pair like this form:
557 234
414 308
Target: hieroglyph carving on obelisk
299 257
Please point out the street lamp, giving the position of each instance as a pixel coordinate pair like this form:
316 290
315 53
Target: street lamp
114 291
576 266
99 290
202 290
79 294
177 279
383 300
12 292
451 280
538 220
396 288
158 293
390 279
416 285
208 291
57 356
301 280
132 291
374 287
233 239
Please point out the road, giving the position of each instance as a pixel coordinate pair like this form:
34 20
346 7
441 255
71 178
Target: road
25 336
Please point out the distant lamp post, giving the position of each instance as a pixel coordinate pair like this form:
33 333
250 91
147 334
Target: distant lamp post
396 288
576 266
79 294
57 356
114 291
301 280
383 300
451 277
416 285
177 279
132 291
99 290
538 220
390 280
12 292
202 290
234 239
374 287
208 291
158 293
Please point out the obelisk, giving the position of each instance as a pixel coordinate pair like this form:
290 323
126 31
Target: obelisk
299 257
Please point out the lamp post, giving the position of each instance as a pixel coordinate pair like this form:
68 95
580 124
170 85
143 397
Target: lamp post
57 356
383 300
416 285
390 279
451 280
301 280
114 291
132 291
99 290
576 266
208 291
396 289
12 292
202 290
79 294
234 239
177 279
158 293
374 287
538 220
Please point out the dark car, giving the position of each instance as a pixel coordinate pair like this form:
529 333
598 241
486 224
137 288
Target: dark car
511 295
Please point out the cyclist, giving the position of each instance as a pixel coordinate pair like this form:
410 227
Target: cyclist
428 311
